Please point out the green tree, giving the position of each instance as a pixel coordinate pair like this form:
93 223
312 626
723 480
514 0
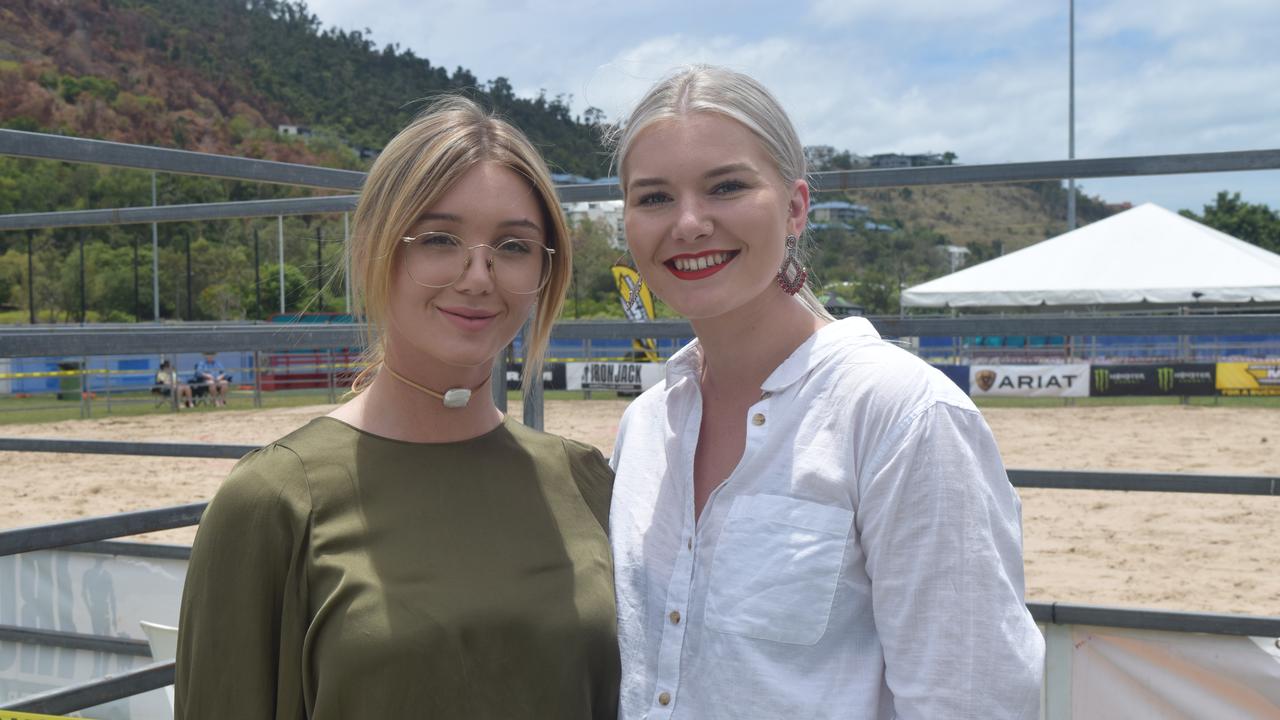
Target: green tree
1252 222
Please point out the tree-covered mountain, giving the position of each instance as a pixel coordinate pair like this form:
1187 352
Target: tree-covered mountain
221 75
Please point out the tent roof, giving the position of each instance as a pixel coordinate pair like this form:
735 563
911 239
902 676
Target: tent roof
1145 254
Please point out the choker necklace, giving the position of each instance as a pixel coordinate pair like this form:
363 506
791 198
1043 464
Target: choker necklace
452 398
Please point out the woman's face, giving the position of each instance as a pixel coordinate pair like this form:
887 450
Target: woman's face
707 214
439 331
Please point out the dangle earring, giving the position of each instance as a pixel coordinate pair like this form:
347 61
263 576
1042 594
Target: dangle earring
792 275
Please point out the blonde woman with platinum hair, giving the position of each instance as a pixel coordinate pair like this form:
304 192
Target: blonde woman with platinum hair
807 521
415 553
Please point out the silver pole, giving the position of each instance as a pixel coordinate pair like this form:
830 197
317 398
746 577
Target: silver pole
280 245
155 257
346 255
1071 112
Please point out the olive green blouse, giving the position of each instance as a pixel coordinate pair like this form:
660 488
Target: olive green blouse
339 574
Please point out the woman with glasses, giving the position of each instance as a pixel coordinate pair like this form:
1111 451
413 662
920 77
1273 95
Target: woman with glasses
415 553
808 522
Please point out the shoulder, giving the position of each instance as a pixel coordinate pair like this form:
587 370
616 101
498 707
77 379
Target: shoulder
587 467
869 372
584 460
269 475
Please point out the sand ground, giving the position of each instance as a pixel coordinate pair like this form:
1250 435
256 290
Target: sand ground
1194 552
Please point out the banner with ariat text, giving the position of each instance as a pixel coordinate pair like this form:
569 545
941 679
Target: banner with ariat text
1067 380
629 284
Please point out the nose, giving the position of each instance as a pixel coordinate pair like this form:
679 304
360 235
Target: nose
477 275
692 223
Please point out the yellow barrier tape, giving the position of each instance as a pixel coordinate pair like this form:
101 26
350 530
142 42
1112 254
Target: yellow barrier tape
15 715
56 373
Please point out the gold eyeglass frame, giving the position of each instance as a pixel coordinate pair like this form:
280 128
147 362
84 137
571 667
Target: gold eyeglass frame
408 239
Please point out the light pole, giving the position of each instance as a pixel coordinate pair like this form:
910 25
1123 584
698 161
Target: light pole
1071 110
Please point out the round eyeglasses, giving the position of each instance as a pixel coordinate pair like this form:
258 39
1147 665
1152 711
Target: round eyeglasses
438 260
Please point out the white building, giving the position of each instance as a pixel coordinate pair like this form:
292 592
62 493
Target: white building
608 212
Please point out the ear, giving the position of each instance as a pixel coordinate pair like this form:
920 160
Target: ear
798 209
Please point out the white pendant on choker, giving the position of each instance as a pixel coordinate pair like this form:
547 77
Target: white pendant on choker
453 398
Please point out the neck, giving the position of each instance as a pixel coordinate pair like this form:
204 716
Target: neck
741 349
404 409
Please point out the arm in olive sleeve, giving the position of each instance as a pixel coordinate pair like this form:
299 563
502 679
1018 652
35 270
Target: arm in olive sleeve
244 608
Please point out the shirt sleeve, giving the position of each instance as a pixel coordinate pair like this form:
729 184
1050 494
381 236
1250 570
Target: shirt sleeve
594 479
243 615
941 528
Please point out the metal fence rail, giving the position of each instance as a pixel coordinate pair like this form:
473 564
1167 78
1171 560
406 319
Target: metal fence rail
137 339
329 204
98 692
44 146
84 530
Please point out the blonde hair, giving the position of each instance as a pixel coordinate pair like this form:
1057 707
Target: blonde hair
418 167
708 88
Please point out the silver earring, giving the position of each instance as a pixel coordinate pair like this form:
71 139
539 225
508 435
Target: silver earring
792 275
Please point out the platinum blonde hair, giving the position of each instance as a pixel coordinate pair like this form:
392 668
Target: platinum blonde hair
713 89
417 168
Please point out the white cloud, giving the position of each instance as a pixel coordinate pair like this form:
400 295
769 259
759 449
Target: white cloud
985 79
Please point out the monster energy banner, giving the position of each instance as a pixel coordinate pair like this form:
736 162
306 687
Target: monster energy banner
1176 379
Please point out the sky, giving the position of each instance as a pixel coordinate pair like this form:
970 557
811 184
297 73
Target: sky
986 79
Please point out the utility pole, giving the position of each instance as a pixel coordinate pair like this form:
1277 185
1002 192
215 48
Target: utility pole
319 270
31 275
280 244
1071 111
257 278
155 258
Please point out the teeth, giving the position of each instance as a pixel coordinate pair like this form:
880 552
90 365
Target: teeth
700 263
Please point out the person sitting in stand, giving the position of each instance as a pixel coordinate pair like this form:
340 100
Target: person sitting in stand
167 380
212 375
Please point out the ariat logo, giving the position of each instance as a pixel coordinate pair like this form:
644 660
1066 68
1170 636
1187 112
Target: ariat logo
1164 379
986 378
1101 379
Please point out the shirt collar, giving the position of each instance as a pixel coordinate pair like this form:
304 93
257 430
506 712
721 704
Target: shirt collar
685 364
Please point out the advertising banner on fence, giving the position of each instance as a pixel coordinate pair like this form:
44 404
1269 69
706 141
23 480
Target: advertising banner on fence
959 375
89 594
1177 379
553 376
625 376
1249 378
1029 380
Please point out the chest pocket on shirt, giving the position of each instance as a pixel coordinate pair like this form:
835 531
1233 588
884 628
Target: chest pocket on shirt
775 570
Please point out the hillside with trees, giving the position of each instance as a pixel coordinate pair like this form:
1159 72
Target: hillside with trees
223 76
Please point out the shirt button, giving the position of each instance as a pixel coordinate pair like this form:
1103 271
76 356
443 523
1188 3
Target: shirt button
675 617
690 543
757 419
664 698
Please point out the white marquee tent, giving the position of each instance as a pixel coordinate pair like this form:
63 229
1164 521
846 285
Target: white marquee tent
1145 254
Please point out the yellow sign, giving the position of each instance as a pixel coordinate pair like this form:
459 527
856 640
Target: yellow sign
15 715
629 284
1249 378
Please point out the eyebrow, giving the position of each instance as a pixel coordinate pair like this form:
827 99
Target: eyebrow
450 217
712 173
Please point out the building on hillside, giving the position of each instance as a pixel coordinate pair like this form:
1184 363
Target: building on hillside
837 211
957 256
896 160
606 212
295 130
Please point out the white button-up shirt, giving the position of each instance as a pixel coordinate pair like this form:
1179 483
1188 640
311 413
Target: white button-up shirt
863 560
